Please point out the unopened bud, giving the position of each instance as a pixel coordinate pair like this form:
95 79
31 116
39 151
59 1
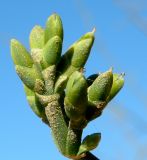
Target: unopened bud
76 96
53 27
100 89
52 51
28 75
118 82
20 55
37 38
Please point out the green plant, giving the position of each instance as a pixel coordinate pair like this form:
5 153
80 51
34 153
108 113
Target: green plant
57 89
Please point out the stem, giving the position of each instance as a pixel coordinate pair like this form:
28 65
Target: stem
57 122
73 141
49 77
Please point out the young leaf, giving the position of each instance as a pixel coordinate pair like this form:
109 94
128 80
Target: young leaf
89 143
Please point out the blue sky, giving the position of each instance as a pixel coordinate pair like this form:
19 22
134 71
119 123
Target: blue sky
121 42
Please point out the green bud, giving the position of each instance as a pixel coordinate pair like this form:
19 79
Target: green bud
37 38
76 114
118 82
52 51
76 96
82 49
76 88
100 89
89 143
87 35
76 56
29 76
20 55
53 27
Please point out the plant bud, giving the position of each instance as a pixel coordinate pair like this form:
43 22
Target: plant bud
37 38
82 49
76 89
53 27
28 75
118 82
52 51
100 89
76 56
20 55
89 143
76 97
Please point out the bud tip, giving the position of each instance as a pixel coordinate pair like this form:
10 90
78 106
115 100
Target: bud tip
111 69
12 41
94 30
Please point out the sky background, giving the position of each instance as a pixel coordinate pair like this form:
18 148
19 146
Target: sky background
121 42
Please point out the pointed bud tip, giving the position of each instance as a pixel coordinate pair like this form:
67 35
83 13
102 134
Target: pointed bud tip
111 69
121 76
94 30
37 27
54 13
54 16
13 41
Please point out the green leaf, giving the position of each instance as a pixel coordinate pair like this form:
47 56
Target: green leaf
89 143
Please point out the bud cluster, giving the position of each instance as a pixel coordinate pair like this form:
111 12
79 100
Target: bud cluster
57 90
